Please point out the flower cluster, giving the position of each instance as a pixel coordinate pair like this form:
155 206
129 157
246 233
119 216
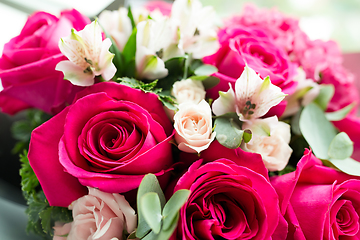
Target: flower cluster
165 125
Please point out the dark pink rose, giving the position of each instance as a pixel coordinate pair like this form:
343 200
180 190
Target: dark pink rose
162 6
242 45
27 66
227 201
109 138
319 202
284 30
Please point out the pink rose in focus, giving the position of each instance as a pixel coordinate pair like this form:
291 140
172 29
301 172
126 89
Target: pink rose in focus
319 202
109 138
162 6
242 45
27 66
227 201
98 215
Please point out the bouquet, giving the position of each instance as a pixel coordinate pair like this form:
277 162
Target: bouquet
165 123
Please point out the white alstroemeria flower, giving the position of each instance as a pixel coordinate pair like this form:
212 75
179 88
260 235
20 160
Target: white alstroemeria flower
270 138
193 125
188 90
154 45
197 27
118 25
252 99
88 56
306 91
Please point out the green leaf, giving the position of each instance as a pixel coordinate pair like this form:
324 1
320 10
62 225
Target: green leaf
129 55
150 207
148 184
130 15
175 66
207 81
29 181
325 95
317 130
295 123
348 165
340 114
247 135
228 133
341 147
164 234
205 70
173 206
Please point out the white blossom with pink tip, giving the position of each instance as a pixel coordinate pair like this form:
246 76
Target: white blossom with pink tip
88 56
253 97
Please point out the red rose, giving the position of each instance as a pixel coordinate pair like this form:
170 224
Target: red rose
27 66
109 138
227 201
319 202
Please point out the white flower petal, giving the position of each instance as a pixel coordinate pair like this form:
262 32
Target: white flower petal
225 103
75 74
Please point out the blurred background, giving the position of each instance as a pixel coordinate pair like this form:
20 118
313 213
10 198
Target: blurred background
324 19
338 20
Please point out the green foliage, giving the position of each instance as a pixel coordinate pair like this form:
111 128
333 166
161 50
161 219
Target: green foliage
325 95
317 130
340 114
130 15
228 132
164 96
129 55
42 217
21 130
29 181
332 148
157 220
341 147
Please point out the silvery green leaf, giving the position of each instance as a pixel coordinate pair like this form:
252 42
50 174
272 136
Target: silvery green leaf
228 133
340 114
150 207
325 95
341 147
205 69
317 130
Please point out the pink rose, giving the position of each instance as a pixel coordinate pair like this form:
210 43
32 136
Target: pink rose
162 6
98 215
109 138
227 201
284 30
319 202
344 84
242 45
27 66
318 56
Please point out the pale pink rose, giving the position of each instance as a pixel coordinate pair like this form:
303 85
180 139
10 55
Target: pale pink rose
99 215
188 90
274 148
193 125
